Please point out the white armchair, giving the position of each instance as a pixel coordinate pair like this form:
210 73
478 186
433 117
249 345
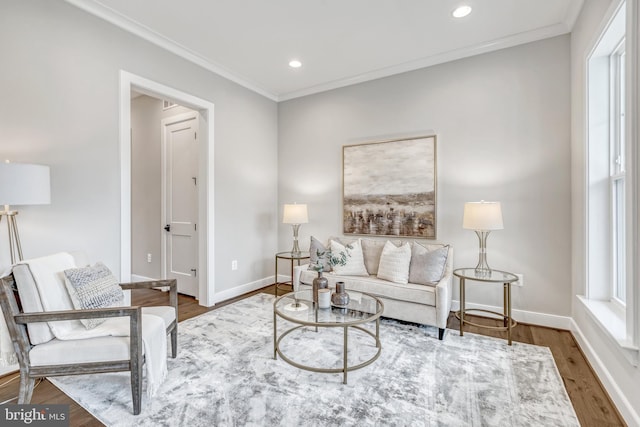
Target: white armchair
41 354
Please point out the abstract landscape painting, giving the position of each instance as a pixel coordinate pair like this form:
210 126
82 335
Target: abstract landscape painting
389 188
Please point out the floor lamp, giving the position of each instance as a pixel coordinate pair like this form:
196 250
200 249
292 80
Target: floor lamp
21 184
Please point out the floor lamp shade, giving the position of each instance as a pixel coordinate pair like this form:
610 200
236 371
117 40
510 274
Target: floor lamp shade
482 217
24 184
21 184
295 215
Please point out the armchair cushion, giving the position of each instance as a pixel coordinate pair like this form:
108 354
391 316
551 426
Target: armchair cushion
165 312
93 287
30 299
65 352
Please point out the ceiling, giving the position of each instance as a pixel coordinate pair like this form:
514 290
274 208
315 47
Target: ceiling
339 42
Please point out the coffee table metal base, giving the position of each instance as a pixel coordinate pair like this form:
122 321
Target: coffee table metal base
345 366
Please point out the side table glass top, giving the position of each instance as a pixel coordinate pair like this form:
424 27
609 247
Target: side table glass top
290 255
490 276
362 308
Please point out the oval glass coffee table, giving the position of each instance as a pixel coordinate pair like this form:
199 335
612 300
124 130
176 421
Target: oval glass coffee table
299 308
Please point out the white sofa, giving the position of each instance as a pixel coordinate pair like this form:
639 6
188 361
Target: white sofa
418 303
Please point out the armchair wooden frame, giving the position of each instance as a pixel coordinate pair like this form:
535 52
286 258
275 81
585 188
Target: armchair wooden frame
17 324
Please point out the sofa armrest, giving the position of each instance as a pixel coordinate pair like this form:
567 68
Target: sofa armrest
297 271
444 293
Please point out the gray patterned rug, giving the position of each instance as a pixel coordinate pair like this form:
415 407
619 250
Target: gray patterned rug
225 375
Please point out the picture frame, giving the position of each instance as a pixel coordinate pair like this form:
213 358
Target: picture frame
389 188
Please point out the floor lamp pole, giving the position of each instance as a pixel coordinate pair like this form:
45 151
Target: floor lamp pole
14 237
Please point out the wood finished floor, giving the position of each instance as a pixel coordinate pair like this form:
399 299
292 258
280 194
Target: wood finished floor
590 401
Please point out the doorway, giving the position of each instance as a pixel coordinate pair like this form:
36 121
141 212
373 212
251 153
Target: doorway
203 285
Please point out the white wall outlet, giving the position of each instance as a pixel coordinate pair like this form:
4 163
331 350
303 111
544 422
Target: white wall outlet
234 264
520 281
148 257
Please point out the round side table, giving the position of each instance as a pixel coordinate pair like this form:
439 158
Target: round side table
292 257
491 276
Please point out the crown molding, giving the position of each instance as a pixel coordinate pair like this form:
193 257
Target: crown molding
502 43
106 13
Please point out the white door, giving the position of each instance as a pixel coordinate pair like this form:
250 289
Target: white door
181 204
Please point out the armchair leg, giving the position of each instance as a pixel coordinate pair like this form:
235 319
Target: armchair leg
136 388
174 342
440 333
26 388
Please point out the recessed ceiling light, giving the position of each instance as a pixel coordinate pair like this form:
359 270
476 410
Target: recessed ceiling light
295 63
461 11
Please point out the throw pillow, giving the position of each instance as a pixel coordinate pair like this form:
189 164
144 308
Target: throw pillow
354 265
394 263
427 267
318 255
93 287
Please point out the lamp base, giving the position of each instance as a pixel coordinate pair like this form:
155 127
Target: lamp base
482 269
295 251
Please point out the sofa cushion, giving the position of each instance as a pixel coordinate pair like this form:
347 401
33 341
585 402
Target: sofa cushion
418 294
427 265
354 265
316 258
394 263
93 287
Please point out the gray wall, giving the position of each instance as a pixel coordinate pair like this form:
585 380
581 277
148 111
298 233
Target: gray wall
60 107
503 126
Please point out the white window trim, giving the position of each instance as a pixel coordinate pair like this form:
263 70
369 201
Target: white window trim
620 324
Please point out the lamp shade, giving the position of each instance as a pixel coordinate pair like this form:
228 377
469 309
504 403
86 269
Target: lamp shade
482 216
295 214
24 184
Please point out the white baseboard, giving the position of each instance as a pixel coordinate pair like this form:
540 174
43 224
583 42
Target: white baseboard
242 289
139 278
531 317
628 412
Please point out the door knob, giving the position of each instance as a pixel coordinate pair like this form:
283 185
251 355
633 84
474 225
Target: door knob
167 227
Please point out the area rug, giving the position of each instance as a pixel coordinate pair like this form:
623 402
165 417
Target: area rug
225 375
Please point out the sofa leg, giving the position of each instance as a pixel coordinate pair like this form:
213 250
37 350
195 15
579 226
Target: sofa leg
440 333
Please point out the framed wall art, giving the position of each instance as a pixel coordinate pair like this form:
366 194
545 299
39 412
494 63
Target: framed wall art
389 188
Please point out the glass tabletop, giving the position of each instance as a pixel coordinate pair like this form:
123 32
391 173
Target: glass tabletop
485 276
290 255
298 307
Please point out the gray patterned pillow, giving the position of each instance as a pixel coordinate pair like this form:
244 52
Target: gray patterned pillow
93 287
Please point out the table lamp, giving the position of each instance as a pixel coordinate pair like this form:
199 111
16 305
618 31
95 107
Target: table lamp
295 215
21 184
482 217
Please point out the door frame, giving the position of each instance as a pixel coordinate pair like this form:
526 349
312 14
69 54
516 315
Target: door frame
165 123
205 109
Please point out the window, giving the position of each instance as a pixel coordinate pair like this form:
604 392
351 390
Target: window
617 171
610 189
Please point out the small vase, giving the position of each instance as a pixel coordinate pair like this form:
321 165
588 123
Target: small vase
340 298
319 283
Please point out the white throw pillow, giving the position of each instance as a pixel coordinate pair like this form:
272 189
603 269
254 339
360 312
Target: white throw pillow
355 260
394 263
